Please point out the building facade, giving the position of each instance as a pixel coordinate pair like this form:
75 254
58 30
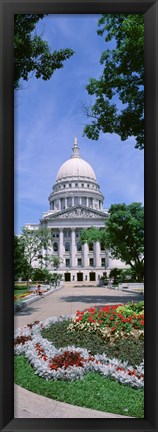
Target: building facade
76 202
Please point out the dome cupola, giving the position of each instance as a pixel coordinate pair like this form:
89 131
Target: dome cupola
75 167
75 184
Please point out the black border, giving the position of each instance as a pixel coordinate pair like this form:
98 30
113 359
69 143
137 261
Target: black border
7 10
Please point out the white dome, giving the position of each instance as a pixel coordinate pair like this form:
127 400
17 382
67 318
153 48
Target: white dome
75 167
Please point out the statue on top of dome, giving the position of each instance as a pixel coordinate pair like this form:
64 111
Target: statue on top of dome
75 149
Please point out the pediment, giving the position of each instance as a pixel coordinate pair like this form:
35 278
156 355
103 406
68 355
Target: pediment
78 212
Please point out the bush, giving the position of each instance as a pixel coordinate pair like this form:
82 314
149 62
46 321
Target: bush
41 275
20 287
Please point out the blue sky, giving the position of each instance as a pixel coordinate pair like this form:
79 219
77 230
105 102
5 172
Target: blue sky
48 115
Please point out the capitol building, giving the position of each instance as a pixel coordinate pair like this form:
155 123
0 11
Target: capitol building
76 202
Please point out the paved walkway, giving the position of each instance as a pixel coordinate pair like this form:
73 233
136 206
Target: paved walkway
62 302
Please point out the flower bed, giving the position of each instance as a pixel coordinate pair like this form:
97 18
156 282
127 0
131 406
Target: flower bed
71 363
112 321
21 296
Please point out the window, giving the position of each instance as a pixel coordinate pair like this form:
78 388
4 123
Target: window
55 247
55 234
67 233
69 184
76 184
91 247
91 262
79 248
67 247
83 200
88 185
82 184
103 262
69 202
102 246
67 262
79 262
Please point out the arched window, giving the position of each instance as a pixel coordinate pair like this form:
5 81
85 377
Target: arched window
55 247
67 247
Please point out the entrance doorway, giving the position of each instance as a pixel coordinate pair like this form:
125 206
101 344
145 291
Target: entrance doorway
79 277
67 277
92 276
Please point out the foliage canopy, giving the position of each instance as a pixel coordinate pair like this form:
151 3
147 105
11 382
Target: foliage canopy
122 77
123 235
32 53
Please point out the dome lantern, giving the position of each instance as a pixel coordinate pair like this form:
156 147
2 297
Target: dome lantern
75 149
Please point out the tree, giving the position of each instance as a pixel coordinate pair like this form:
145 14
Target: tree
123 235
55 277
41 275
33 241
90 235
32 54
21 266
122 77
56 260
115 274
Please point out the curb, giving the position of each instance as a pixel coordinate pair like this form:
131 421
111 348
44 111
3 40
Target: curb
125 290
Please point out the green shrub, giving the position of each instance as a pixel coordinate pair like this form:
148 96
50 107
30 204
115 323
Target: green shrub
130 349
20 287
131 308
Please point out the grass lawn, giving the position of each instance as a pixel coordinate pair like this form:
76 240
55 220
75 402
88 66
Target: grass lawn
21 291
93 391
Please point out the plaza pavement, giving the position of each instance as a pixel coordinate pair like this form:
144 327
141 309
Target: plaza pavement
64 301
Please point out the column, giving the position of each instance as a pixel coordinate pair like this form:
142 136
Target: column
106 258
59 204
61 246
65 202
72 201
73 248
80 200
85 255
97 254
87 202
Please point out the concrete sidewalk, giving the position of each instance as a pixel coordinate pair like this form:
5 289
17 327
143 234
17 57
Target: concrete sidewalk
68 300
65 301
31 405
